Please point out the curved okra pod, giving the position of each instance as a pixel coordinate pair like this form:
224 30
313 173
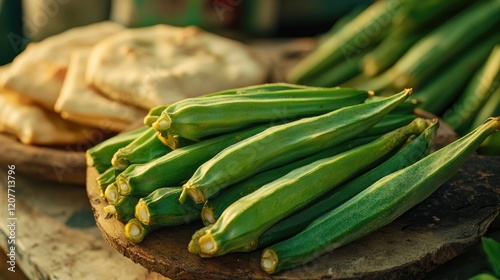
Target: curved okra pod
213 208
285 143
247 218
378 205
413 151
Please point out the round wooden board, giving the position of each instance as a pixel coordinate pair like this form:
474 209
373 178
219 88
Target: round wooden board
61 165
433 232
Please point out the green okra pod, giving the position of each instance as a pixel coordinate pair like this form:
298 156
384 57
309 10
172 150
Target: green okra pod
282 144
224 114
378 205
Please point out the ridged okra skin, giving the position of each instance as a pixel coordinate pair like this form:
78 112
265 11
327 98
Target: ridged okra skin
177 166
223 114
162 208
214 207
144 148
101 154
285 143
247 218
413 151
378 205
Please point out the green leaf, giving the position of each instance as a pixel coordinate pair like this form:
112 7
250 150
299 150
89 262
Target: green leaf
492 250
483 276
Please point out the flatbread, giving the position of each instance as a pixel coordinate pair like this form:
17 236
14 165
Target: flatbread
34 125
38 72
82 104
162 64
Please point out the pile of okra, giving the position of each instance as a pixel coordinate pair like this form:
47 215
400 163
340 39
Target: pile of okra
294 171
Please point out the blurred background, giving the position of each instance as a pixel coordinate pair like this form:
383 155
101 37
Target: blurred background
32 20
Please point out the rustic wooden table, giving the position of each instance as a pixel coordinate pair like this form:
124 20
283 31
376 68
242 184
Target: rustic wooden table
56 236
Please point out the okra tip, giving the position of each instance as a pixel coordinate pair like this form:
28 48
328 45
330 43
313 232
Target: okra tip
269 261
495 122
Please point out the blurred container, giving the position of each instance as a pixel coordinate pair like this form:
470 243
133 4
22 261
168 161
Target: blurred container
255 18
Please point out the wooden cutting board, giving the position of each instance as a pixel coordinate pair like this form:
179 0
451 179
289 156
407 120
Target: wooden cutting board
430 234
61 165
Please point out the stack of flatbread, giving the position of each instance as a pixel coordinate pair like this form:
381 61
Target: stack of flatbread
107 76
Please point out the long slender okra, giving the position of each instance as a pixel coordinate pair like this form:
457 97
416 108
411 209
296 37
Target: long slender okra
155 112
409 154
440 92
177 166
123 209
445 41
213 208
247 218
162 208
101 154
378 205
136 231
282 144
333 48
478 90
144 148
223 114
